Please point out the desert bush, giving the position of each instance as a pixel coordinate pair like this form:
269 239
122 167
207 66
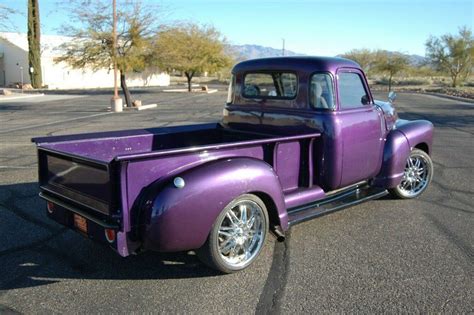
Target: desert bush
414 81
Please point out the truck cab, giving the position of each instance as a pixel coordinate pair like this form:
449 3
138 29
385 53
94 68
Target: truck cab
328 95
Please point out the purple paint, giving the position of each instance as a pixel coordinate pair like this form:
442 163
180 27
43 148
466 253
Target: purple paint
282 150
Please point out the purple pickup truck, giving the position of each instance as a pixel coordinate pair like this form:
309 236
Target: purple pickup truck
300 137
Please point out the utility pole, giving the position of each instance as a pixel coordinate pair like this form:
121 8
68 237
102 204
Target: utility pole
116 100
283 48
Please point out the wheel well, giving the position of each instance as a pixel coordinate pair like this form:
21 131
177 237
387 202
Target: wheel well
271 207
424 147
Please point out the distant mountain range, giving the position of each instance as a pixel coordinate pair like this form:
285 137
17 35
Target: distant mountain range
244 52
417 60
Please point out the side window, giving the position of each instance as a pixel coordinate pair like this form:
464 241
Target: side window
281 85
321 93
352 93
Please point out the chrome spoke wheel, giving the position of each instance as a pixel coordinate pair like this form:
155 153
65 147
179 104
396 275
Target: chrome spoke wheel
416 176
237 236
241 233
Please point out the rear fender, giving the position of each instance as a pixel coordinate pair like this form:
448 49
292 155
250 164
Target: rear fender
181 218
399 143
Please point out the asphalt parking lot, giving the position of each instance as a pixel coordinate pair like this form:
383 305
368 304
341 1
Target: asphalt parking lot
382 256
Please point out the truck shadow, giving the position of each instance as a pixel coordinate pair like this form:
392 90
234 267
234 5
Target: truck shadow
37 251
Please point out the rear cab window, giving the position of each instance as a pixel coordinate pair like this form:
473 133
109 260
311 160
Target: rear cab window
270 85
352 92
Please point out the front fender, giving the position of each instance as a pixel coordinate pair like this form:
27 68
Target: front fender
399 143
181 218
417 132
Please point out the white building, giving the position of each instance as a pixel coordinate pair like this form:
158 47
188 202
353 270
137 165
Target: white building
14 64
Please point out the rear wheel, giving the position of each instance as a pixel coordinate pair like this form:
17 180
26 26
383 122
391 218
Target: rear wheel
237 236
416 177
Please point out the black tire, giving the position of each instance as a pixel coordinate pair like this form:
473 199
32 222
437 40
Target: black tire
401 191
212 255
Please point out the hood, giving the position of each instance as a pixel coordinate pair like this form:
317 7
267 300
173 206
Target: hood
389 112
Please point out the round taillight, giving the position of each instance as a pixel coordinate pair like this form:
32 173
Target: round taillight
110 235
50 206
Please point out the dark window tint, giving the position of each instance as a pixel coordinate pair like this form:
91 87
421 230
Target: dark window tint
352 93
270 85
321 92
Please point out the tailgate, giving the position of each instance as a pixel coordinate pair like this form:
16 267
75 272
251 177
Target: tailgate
86 183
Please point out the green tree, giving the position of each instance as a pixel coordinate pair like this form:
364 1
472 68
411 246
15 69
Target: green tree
92 45
34 44
391 63
452 54
366 58
191 49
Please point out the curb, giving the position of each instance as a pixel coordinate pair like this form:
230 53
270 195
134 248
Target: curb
456 98
7 98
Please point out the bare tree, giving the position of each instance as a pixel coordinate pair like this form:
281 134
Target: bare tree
5 17
92 46
452 54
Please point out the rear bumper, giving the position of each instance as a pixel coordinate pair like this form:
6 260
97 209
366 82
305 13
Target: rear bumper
66 206
63 213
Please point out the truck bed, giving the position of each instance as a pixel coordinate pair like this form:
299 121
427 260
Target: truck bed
105 147
102 174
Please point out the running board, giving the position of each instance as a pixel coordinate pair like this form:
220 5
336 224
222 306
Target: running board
333 203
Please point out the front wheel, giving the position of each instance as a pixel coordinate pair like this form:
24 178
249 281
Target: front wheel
237 236
416 177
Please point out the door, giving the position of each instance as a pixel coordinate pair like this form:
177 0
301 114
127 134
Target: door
361 128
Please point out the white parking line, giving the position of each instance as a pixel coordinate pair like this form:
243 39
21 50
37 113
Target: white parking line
16 97
54 122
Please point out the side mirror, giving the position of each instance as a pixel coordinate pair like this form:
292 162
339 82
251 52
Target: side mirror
392 96
364 100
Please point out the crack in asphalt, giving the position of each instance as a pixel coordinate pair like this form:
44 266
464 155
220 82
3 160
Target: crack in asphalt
5 310
274 288
464 247
450 189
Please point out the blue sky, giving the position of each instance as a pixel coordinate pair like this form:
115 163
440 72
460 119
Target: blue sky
309 27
